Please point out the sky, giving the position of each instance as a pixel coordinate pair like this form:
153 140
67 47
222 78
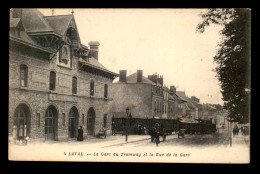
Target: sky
162 41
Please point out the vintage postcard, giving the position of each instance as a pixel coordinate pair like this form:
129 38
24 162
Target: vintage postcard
129 85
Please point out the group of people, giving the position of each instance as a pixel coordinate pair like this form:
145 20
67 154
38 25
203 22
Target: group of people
155 132
244 130
141 130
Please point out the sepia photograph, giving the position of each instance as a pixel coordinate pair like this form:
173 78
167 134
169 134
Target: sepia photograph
146 85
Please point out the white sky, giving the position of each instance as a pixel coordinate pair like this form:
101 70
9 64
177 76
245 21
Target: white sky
154 40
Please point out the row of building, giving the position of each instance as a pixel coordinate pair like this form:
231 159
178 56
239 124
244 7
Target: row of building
56 83
148 97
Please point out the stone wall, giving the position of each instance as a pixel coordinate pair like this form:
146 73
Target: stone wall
136 96
38 97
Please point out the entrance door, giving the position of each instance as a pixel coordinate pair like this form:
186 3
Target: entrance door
73 122
91 121
50 123
22 122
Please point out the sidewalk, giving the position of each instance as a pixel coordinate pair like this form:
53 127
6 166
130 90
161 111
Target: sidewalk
94 141
241 140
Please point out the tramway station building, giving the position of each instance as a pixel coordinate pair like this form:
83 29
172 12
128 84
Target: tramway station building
56 84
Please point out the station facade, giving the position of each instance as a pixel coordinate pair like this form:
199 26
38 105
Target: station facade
56 84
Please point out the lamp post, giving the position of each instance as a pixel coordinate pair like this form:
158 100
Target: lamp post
126 124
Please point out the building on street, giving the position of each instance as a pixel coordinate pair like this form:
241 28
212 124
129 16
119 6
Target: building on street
56 83
140 94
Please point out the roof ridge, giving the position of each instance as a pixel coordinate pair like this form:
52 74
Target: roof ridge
43 20
59 15
146 78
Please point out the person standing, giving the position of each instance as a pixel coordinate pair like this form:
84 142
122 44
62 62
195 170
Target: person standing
113 128
80 134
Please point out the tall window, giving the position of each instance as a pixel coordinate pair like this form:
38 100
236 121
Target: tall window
23 75
52 80
105 90
92 88
74 85
49 121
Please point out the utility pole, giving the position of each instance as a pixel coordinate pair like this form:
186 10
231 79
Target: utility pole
126 124
230 134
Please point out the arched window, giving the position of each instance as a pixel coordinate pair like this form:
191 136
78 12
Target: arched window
23 75
105 91
74 85
52 80
92 88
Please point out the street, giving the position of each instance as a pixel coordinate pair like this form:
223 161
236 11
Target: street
219 138
207 148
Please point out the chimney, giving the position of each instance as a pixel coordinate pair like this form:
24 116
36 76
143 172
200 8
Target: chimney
93 46
139 76
122 76
173 89
160 80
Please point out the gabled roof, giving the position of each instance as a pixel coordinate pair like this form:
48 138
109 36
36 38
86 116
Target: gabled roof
92 62
33 21
25 39
166 89
14 22
96 63
133 79
59 23
181 95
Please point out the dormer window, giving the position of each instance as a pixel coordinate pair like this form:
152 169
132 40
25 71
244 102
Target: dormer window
65 54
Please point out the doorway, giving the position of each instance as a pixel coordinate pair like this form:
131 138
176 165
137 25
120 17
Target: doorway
22 120
51 123
73 122
91 121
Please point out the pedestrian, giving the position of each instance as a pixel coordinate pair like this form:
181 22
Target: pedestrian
242 130
164 133
139 129
142 130
157 134
80 134
145 130
157 139
152 133
113 128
